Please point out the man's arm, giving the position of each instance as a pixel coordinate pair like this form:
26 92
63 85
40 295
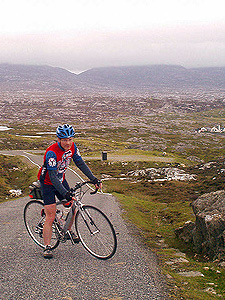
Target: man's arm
82 165
51 163
85 169
56 183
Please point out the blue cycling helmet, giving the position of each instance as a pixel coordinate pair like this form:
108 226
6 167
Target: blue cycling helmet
65 131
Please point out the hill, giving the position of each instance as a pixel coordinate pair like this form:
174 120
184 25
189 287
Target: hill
35 77
139 76
136 78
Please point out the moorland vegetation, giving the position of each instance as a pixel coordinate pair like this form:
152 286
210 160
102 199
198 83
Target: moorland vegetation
138 140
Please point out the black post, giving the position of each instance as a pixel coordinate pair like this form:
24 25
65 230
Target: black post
104 155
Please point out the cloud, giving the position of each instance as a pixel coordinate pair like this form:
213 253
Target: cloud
82 34
188 45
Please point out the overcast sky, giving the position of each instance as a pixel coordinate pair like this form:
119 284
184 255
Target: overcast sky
83 34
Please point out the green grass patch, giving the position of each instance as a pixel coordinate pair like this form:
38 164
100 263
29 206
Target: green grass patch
10 141
15 174
155 223
156 209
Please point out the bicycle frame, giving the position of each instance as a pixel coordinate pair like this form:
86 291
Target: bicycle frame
77 205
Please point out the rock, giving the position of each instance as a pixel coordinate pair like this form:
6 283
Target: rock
163 174
15 193
103 176
169 276
180 254
191 274
208 232
195 159
210 290
177 260
222 264
185 232
207 165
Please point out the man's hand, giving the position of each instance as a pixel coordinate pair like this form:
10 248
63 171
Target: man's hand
98 186
68 196
97 183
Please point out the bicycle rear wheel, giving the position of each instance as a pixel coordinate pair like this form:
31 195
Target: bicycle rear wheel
34 218
96 232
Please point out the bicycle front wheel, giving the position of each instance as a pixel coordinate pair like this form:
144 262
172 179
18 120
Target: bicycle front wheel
96 232
34 219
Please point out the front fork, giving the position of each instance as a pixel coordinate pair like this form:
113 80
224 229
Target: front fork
92 227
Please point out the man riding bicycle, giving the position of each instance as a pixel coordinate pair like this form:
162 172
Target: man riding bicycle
52 178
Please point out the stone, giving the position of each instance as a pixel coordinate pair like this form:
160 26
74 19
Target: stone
185 232
210 290
15 193
191 274
207 233
177 260
180 254
163 174
222 264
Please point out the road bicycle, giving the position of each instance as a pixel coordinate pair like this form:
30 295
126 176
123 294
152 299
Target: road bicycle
92 226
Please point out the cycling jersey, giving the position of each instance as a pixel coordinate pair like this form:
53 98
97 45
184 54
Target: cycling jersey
56 158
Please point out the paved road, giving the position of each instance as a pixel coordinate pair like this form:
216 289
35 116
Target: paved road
73 273
132 157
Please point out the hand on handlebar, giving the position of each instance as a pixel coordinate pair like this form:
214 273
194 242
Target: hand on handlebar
98 186
97 183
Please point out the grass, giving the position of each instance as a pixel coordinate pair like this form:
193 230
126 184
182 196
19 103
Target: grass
14 174
156 222
156 209
157 232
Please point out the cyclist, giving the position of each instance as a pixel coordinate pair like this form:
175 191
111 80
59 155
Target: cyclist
52 178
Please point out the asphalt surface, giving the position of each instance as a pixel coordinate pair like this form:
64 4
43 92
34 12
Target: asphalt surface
132 273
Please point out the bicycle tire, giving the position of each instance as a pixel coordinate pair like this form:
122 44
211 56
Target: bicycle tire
34 218
102 242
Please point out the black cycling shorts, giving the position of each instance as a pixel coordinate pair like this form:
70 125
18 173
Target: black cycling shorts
49 192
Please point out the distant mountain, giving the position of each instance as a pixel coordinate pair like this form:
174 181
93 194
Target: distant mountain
155 77
214 76
139 76
31 76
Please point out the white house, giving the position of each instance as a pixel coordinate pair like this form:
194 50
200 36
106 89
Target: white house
217 129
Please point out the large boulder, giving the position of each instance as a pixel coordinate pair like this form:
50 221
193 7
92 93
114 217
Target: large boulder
208 232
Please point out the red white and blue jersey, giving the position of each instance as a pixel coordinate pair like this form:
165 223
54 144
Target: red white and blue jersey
56 158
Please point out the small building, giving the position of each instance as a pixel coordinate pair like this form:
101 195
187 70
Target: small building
217 129
202 129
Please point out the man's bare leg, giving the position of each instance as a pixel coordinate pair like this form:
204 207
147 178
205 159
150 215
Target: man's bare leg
50 211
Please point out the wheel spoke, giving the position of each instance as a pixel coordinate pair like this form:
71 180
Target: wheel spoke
96 232
34 218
